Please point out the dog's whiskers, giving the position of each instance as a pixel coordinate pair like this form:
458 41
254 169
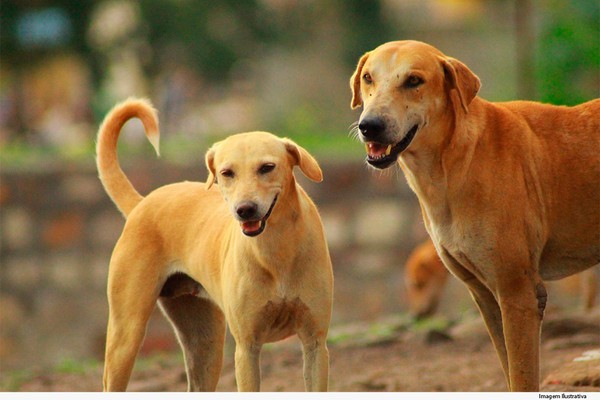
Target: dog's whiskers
354 131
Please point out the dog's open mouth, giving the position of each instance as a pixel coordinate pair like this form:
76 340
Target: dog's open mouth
255 228
382 155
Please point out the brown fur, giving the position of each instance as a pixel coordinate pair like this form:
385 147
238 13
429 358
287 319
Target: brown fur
183 246
509 192
425 277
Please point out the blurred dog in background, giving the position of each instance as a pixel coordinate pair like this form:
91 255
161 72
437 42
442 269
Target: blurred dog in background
425 278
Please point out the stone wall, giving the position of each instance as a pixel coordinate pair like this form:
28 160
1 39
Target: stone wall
58 228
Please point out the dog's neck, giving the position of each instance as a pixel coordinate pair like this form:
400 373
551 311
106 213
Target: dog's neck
431 169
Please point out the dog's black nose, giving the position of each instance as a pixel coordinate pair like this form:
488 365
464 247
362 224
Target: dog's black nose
246 210
371 127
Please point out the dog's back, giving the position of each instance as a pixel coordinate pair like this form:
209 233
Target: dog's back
554 152
570 137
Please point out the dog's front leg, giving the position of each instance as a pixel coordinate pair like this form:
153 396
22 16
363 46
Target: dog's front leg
316 364
247 366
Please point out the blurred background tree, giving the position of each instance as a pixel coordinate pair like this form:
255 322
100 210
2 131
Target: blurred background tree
568 56
214 68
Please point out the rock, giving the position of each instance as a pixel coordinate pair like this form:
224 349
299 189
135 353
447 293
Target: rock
583 339
561 327
436 336
583 372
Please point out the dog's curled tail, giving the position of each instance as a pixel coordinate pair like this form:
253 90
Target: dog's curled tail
116 184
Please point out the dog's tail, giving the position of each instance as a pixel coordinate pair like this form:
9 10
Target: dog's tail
116 184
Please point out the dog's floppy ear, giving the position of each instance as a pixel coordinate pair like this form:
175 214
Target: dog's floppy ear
460 77
355 82
308 165
210 165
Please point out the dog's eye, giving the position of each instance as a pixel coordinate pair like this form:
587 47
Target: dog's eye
227 173
367 78
266 168
413 81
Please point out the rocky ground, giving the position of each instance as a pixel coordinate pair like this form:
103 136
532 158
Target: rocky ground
391 355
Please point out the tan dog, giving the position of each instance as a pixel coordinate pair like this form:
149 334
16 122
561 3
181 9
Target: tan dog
250 252
425 277
510 192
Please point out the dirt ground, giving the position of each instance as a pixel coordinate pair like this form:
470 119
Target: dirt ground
391 355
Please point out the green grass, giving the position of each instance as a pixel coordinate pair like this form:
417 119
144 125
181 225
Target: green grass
177 150
74 366
429 324
11 381
21 156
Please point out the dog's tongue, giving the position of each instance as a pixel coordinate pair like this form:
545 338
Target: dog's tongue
377 150
251 226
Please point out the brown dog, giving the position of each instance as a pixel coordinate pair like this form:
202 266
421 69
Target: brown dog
509 192
250 251
425 277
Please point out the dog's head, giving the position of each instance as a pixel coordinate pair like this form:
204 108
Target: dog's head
402 86
254 170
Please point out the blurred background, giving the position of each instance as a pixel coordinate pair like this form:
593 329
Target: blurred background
214 68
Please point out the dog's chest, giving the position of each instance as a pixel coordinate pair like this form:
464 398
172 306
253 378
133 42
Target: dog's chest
280 318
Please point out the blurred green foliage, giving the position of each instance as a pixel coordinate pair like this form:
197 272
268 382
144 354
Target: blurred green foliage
212 36
568 59
216 40
217 35
13 14
366 28
219 40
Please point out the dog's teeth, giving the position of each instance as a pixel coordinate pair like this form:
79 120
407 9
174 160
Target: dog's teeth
367 147
388 150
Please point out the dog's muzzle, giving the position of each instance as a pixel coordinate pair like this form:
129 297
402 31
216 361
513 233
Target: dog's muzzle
382 155
250 225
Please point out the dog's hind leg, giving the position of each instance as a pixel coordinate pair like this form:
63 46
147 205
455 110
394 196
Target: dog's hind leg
522 301
200 328
132 293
